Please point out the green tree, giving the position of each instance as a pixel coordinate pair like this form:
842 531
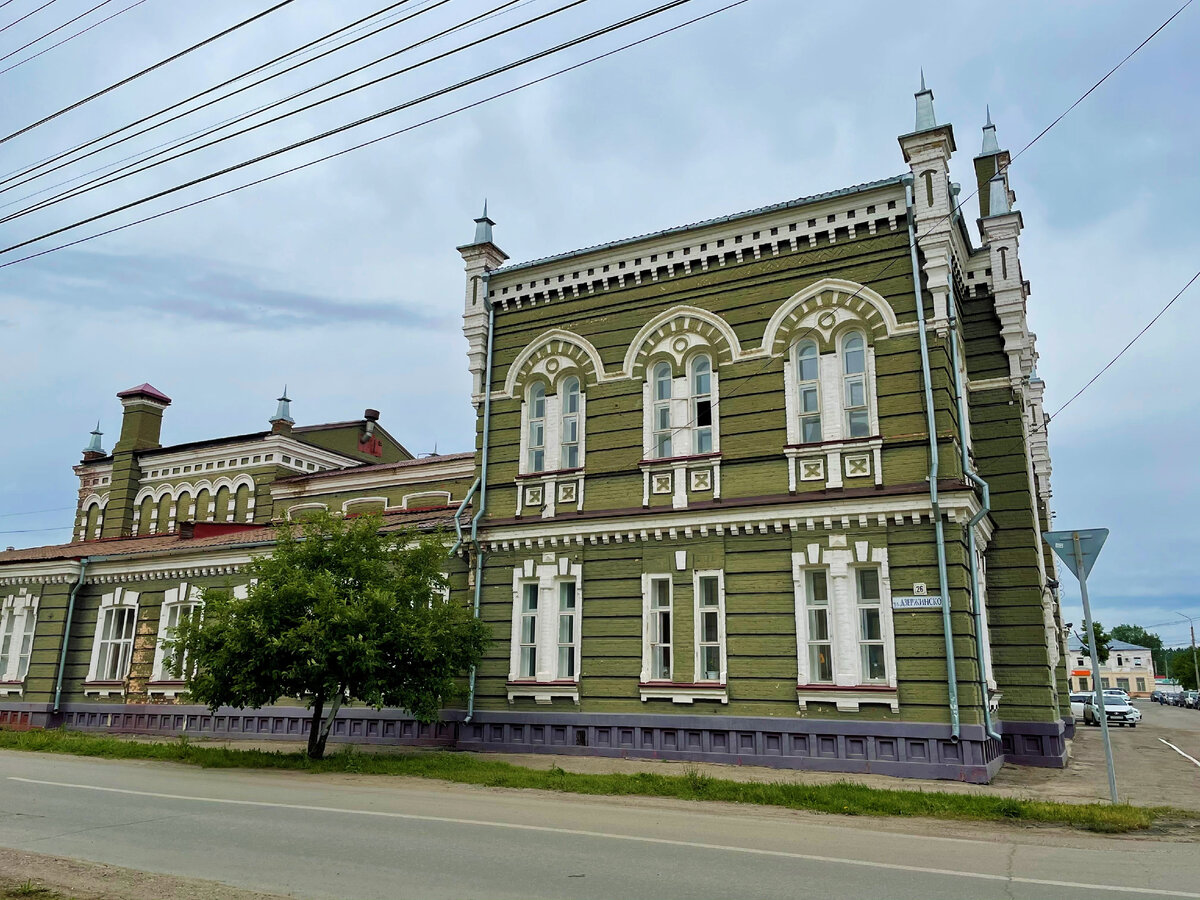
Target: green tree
1183 668
1136 634
339 612
1103 639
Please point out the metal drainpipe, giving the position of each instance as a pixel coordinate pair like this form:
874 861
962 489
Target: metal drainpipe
458 517
935 507
487 418
985 508
62 656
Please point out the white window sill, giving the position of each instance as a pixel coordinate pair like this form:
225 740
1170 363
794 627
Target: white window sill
104 688
166 688
848 700
544 692
685 694
11 688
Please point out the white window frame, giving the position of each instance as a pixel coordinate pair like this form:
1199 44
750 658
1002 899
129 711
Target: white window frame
177 598
717 575
554 424
120 599
651 627
803 384
18 627
528 617
695 398
864 642
573 646
840 562
848 378
831 391
546 578
680 409
537 391
805 640
569 417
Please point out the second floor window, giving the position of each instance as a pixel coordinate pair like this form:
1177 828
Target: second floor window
537 427
808 382
569 397
854 401
661 422
702 405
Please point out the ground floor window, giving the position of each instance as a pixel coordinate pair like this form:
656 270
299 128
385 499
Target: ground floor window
112 648
180 604
18 621
1123 684
1141 685
709 590
658 618
547 606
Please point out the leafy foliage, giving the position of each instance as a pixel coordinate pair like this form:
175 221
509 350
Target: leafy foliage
1136 634
340 612
1182 668
1103 639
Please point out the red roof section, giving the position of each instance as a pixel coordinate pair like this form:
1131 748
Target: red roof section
155 544
145 389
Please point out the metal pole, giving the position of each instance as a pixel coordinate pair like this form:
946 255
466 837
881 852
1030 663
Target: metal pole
1095 656
1195 666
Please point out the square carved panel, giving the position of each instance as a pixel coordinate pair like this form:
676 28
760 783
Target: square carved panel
567 492
702 480
858 466
533 495
660 483
812 469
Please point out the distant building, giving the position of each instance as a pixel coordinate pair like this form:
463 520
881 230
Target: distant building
1129 667
767 488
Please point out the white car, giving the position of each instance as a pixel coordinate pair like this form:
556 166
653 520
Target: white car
1079 700
1116 692
1118 711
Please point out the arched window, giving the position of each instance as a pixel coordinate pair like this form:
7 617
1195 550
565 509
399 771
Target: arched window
702 406
854 385
808 384
568 395
661 416
537 427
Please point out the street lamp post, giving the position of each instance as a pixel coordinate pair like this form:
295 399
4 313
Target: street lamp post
1195 666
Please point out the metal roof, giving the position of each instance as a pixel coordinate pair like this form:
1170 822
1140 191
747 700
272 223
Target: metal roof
1074 645
720 220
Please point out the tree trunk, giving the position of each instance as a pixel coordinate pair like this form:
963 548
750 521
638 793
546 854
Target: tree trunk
316 745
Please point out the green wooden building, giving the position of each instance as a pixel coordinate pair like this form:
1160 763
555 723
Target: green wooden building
765 489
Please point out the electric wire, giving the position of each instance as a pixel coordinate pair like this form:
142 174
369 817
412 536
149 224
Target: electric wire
55 29
376 140
317 42
956 211
145 164
178 141
71 37
671 4
146 71
26 16
34 512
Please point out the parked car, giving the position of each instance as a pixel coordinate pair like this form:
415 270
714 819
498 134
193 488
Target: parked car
1157 697
1120 712
1079 700
1116 692
1191 699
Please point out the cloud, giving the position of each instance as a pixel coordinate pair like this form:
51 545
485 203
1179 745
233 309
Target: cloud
184 287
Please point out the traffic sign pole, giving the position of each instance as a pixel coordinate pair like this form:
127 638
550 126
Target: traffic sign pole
1093 652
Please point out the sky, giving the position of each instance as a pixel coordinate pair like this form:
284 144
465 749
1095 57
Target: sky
342 281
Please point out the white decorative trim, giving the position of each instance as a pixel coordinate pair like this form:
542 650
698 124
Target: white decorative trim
544 694
849 301
701 328
682 694
547 574
302 507
551 344
117 599
406 500
358 501
849 701
722 639
376 479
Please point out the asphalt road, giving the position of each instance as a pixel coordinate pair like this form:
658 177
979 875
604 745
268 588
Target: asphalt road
364 836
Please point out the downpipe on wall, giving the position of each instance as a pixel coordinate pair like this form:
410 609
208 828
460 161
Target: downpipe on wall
62 654
985 507
458 517
483 471
935 507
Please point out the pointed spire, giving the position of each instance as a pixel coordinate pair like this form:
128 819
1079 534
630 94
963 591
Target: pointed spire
283 412
94 446
998 196
925 117
990 143
483 227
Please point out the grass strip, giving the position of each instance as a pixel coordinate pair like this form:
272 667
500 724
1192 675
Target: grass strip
842 798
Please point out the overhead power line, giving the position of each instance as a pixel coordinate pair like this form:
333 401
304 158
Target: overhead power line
71 37
33 167
145 164
145 71
384 137
58 28
26 16
672 4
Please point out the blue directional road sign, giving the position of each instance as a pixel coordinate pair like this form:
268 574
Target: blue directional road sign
1090 542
